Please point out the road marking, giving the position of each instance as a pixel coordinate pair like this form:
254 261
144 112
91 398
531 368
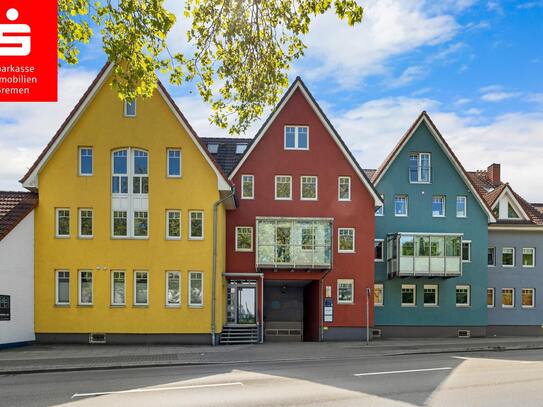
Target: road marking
403 371
196 386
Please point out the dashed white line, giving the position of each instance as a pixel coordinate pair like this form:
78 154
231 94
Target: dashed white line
402 371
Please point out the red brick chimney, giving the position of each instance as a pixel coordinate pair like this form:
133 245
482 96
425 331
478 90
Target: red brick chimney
493 172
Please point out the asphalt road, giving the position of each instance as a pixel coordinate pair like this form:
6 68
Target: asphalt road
470 379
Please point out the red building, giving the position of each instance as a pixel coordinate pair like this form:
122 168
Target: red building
300 245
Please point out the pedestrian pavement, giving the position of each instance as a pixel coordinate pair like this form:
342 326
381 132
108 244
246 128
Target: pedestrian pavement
38 358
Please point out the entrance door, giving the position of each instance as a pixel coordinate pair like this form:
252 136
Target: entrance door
241 303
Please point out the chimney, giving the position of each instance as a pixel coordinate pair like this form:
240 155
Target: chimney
493 172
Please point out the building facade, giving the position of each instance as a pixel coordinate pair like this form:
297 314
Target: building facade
431 240
130 225
299 246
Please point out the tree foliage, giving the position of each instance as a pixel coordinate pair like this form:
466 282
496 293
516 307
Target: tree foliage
240 50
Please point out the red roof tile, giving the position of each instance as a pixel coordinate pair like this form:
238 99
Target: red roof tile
14 206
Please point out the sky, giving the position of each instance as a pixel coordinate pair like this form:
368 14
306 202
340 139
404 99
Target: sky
475 66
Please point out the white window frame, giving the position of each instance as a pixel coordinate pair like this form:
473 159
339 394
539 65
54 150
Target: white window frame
434 287
402 215
382 302
493 290
252 177
168 237
178 273
57 302
296 138
191 305
495 251
302 188
252 237
79 172
290 194
135 302
444 202
57 211
408 286
382 241
533 297
345 281
463 286
380 211
168 175
419 168
125 108
80 235
339 230
533 257
468 242
465 213
512 297
191 237
339 179
514 259
112 299
79 274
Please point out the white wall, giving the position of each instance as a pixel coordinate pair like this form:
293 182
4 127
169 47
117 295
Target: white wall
17 280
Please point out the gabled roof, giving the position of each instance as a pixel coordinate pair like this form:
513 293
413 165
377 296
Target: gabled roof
298 84
226 156
14 206
30 179
425 118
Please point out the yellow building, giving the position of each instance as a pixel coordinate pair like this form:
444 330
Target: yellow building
130 209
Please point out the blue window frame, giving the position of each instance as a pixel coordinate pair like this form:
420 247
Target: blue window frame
85 161
174 163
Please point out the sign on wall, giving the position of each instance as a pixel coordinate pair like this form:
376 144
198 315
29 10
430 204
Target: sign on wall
328 310
5 308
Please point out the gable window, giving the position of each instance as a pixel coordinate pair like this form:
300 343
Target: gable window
528 298
5 308
247 187
508 297
438 206
380 211
85 223
461 206
466 251
130 108
344 188
85 161
62 222
462 296
430 295
196 225
174 162
196 289
409 295
528 257
511 213
400 205
378 245
308 188
345 291
85 288
118 288
378 295
173 224
244 239
491 258
283 187
296 138
346 240
508 257
490 300
141 288
62 287
173 288
419 167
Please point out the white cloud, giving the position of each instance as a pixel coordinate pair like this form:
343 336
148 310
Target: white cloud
496 93
410 74
494 6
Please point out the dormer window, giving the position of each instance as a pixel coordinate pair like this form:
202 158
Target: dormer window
130 108
240 148
511 213
296 138
213 148
420 168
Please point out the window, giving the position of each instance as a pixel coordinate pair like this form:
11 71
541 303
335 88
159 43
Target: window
344 188
120 223
308 238
419 167
346 240
308 188
528 257
408 295
140 224
491 259
345 291
380 211
247 187
119 178
141 288
5 308
511 213
508 297
244 239
490 298
196 289
283 187
62 288
240 148
62 222
130 108
85 288
438 206
85 161
118 288
462 296
173 288
466 251
430 295
174 163
213 148
461 206
528 298
378 246
400 205
296 138
196 225
508 257
173 224
85 223
140 177
378 295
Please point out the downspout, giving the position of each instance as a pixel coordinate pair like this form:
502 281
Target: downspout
214 267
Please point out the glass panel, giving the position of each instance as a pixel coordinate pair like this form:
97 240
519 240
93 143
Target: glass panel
491 256
196 224
438 206
344 188
283 244
345 292
86 223
119 288
527 257
174 224
247 186
302 137
407 245
174 163
141 288
120 162
63 287
86 288
413 167
140 162
174 291
140 223
246 305
290 134
511 213
452 246
424 167
196 289
86 161
119 223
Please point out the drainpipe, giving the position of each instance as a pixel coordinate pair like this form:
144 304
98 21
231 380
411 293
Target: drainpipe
214 267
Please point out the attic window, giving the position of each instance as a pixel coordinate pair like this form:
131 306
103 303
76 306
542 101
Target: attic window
511 213
240 148
213 148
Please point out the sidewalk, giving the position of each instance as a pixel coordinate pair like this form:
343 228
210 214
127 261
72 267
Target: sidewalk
51 358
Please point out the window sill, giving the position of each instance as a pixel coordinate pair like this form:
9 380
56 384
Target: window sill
463 305
128 238
400 216
490 306
196 238
140 306
283 199
62 237
196 306
174 238
85 237
85 175
379 261
528 306
528 267
409 305
85 305
345 303
378 305
174 176
344 200
508 307
508 267
244 250
117 306
248 198
431 305
346 251
62 305
309 199
172 306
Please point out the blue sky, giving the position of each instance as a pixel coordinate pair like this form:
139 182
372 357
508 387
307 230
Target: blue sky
475 66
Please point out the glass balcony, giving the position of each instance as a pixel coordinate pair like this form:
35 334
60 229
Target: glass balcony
424 255
294 243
